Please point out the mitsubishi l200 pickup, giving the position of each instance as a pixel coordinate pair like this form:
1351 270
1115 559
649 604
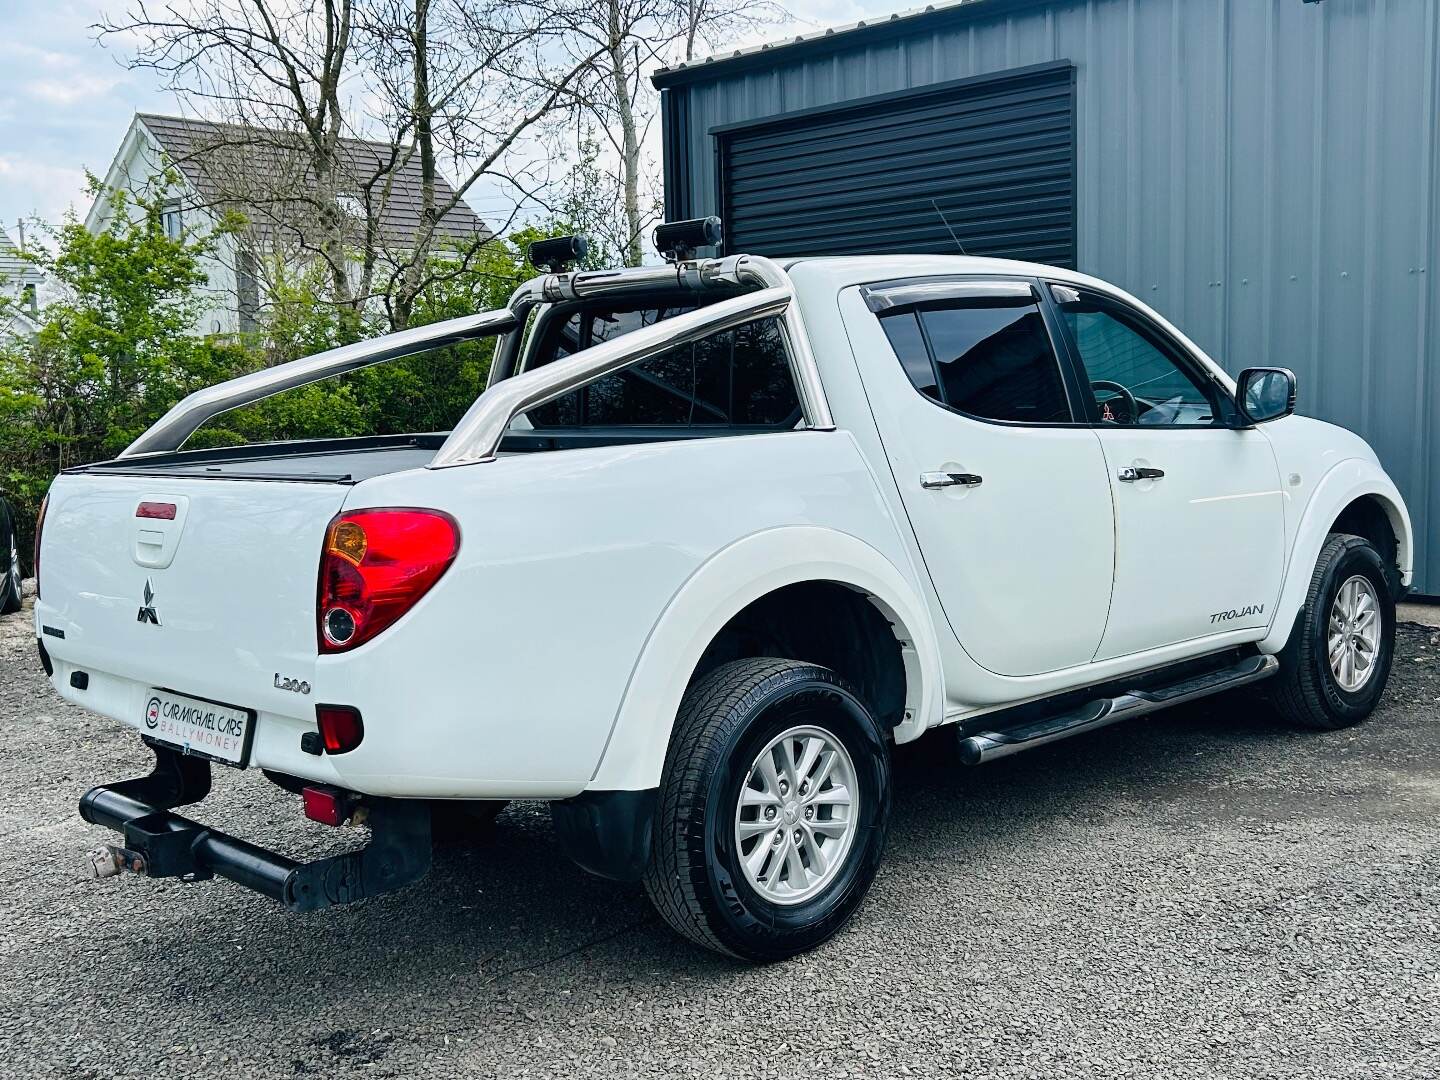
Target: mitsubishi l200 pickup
717 535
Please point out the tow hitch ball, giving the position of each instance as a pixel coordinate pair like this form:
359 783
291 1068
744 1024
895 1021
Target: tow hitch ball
108 860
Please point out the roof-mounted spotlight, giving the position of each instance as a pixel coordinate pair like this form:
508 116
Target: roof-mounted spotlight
677 240
558 252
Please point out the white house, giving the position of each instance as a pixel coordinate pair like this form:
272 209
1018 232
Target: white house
20 282
224 167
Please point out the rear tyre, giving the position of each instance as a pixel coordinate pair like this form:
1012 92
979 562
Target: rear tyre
1337 662
772 811
10 595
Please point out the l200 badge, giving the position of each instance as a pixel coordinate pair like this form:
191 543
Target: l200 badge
297 686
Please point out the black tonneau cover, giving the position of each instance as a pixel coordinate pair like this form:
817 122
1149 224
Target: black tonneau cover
316 461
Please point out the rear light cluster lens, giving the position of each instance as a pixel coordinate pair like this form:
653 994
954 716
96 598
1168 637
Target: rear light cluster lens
35 559
377 564
340 727
325 804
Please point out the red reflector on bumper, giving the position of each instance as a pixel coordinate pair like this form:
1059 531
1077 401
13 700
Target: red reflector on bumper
156 510
325 805
340 727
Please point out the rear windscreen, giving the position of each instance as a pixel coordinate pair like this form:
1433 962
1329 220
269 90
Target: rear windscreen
733 378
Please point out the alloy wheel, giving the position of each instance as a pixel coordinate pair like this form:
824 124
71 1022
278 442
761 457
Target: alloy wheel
1354 633
797 815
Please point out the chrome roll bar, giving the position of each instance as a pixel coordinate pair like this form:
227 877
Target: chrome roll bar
177 425
476 438
757 270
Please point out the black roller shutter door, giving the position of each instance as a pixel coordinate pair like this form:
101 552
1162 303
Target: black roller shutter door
996 155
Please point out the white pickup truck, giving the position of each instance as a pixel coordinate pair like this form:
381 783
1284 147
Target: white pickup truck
716 536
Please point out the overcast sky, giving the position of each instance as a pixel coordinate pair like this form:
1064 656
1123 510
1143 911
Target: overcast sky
65 102
64 105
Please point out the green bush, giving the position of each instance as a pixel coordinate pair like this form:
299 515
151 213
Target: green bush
113 351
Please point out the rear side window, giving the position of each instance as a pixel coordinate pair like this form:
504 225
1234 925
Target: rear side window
987 357
737 378
909 344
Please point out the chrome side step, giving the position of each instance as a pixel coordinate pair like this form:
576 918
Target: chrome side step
990 745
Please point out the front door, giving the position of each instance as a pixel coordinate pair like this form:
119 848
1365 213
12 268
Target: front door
1199 511
1006 494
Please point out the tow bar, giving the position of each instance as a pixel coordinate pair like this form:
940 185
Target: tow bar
160 844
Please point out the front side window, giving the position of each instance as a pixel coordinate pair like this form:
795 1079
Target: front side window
736 378
1137 379
987 357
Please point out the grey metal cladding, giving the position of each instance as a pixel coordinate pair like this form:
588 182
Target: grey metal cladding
985 164
1264 172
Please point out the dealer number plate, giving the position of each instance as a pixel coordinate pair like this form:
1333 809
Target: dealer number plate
202 728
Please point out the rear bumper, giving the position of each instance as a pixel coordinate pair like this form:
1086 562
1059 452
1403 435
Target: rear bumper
398 759
159 843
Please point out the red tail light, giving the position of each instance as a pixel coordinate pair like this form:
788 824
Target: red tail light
376 565
158 511
340 727
35 560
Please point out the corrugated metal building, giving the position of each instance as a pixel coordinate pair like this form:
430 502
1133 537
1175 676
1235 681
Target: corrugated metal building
1265 172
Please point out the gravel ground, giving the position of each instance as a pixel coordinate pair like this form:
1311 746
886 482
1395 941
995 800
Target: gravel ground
1206 893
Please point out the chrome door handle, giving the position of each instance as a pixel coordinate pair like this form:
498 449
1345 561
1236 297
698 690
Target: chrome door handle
1129 475
932 480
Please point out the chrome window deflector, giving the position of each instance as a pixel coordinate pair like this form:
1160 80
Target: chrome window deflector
477 436
886 296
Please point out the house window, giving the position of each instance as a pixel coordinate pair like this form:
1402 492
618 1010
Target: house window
170 220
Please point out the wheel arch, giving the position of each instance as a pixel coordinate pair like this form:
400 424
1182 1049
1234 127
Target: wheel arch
1354 496
752 571
1383 523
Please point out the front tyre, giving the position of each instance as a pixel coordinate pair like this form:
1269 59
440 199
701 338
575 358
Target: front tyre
772 812
1337 662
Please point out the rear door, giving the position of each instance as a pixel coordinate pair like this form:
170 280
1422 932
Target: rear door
1199 511
1006 493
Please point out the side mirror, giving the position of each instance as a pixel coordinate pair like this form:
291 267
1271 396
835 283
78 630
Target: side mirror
1265 393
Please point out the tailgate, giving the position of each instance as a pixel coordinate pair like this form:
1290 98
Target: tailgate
209 590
